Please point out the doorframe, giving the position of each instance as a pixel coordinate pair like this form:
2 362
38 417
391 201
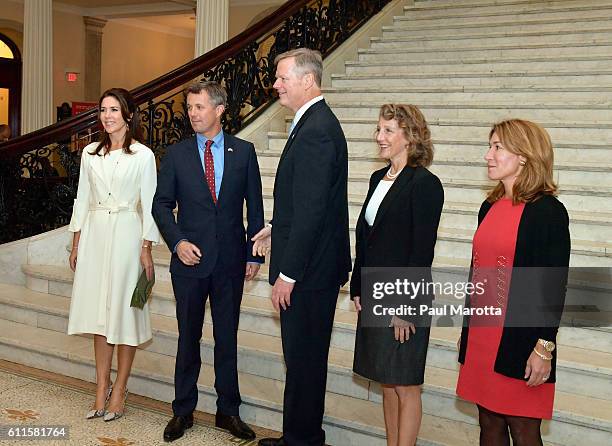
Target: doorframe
10 77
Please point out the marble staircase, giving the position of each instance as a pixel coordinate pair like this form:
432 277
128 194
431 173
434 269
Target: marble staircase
466 64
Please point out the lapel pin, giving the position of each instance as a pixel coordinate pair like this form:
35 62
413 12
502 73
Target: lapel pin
229 149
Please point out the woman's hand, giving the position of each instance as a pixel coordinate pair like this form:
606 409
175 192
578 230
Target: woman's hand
357 302
72 260
537 370
402 329
146 260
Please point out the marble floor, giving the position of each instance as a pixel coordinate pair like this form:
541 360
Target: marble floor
32 397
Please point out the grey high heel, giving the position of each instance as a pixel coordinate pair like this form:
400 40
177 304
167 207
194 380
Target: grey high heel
97 413
111 416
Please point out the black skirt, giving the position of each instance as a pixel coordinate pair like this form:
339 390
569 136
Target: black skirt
379 357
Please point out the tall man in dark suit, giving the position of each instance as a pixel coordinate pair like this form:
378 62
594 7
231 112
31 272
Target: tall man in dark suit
209 177
310 257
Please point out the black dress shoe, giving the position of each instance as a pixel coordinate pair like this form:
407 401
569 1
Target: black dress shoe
176 427
235 426
272 442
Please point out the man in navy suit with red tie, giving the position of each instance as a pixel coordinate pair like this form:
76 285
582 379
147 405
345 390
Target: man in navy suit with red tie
209 176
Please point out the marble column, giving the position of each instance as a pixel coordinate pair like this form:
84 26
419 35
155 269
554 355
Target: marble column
93 57
37 83
212 17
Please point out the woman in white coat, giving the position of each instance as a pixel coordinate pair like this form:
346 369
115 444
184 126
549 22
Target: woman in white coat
113 233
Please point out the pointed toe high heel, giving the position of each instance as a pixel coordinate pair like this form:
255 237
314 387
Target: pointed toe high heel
97 413
111 416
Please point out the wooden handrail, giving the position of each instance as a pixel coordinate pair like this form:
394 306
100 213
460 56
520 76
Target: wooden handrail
157 87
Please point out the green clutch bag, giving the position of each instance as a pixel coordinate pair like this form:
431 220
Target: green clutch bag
143 290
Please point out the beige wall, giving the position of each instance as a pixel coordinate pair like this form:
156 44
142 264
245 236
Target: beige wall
133 56
68 54
242 16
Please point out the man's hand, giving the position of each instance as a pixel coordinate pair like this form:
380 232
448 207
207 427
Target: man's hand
261 247
357 302
281 294
251 271
188 253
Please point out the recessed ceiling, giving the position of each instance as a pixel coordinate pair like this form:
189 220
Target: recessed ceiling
105 3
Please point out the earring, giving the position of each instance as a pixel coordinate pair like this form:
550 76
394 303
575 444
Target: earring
522 163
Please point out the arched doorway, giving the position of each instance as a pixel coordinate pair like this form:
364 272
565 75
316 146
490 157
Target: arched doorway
10 84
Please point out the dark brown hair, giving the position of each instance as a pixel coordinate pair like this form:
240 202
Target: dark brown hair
215 92
129 112
532 142
412 122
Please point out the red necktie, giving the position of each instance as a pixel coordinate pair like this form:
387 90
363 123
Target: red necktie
209 169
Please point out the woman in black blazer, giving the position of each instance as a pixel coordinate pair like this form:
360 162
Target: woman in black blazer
523 245
397 228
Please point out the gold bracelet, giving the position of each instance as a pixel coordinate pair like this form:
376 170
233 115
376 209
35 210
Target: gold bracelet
146 246
544 357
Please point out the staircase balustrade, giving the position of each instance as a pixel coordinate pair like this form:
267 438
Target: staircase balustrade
39 171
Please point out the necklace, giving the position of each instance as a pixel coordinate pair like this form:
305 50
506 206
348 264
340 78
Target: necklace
392 176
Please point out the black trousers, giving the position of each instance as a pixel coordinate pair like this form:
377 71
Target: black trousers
225 297
306 328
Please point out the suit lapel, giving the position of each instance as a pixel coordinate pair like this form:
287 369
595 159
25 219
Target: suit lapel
228 158
98 169
376 180
400 182
195 160
313 108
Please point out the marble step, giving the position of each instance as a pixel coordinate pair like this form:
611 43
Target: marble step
456 12
582 288
412 55
452 8
585 372
502 18
550 112
598 174
502 80
593 226
466 29
478 39
457 181
544 62
348 421
597 95
574 414
569 135
258 315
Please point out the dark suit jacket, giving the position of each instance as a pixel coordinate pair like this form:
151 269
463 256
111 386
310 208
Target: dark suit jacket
310 238
543 240
405 230
217 230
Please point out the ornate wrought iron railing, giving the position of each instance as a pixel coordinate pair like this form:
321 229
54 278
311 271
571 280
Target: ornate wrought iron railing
39 171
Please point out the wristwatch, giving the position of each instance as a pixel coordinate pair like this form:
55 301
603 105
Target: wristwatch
549 346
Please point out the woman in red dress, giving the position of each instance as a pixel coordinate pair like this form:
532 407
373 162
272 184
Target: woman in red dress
508 366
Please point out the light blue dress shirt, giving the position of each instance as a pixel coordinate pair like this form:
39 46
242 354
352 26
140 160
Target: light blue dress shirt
217 150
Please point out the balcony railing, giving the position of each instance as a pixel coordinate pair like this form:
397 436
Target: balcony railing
39 171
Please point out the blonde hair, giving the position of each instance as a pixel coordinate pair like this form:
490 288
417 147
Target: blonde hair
412 122
306 61
532 142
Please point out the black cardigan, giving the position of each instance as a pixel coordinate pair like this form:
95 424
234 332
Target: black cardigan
405 228
543 240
